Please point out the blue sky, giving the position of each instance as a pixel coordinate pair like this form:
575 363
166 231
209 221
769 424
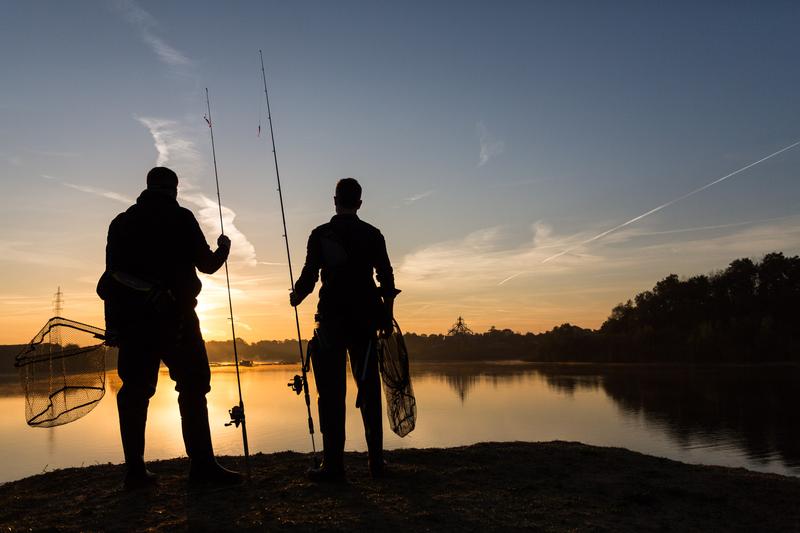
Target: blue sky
488 137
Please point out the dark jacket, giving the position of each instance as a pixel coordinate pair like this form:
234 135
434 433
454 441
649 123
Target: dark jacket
160 242
347 250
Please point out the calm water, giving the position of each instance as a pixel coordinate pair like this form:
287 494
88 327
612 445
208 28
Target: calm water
733 416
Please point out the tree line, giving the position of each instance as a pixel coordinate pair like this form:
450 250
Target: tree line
747 312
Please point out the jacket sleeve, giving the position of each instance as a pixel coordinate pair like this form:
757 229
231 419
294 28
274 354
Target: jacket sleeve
310 274
383 269
203 258
114 245
112 260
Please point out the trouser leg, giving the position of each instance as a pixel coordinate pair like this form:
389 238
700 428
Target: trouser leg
188 367
195 427
364 364
329 375
138 369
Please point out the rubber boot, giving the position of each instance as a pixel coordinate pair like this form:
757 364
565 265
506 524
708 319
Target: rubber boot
373 431
137 476
212 473
204 470
377 464
132 422
332 468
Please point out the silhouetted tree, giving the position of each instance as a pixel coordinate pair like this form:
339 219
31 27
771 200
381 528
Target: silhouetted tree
747 312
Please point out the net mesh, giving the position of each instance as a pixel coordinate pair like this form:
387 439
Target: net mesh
62 371
401 405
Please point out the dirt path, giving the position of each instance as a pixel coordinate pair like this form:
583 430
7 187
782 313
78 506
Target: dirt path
554 486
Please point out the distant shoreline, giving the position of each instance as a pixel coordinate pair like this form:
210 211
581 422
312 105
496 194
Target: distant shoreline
7 375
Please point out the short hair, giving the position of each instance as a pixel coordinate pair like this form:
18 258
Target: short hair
162 178
348 193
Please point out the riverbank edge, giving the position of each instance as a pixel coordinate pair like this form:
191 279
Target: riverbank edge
545 486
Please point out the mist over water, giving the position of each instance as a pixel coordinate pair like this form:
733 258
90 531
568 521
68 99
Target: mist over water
725 415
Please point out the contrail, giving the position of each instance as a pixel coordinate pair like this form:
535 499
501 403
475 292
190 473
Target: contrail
716 226
654 210
662 206
509 278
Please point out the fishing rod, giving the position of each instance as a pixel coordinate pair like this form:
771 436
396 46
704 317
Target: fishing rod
299 383
237 411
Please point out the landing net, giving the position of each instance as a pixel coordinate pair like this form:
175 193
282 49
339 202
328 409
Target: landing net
62 371
401 406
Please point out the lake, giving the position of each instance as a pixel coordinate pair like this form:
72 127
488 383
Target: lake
724 415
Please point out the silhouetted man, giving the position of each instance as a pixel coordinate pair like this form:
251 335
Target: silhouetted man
351 310
150 288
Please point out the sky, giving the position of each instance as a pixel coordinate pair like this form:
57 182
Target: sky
529 163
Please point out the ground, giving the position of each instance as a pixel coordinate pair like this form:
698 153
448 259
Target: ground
551 486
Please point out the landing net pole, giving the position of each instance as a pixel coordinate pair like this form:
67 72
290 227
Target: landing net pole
237 417
303 366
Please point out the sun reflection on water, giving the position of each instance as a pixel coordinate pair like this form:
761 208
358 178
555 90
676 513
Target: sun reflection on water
643 410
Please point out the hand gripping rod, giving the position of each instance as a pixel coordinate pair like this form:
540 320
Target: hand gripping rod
237 411
303 365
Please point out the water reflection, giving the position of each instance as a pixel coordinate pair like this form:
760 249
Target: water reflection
750 408
734 416
755 409
462 377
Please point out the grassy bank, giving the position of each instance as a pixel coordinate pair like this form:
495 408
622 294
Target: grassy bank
552 486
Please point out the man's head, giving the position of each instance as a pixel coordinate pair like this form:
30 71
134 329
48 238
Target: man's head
348 196
163 180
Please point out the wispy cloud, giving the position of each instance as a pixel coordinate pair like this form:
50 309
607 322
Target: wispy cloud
11 159
208 217
32 253
171 144
477 261
420 196
111 195
165 52
174 148
490 147
459 277
16 160
147 26
477 258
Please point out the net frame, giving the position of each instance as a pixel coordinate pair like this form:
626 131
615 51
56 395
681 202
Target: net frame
401 404
46 348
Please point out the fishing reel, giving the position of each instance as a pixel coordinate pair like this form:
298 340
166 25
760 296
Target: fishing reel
237 416
296 384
